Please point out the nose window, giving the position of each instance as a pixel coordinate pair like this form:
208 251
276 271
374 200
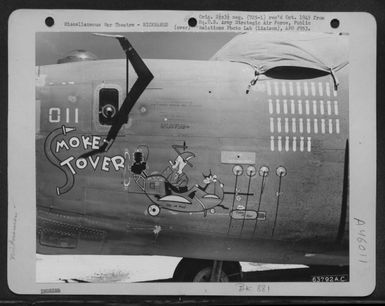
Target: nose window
108 105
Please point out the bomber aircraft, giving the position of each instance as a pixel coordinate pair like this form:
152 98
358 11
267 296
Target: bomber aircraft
243 157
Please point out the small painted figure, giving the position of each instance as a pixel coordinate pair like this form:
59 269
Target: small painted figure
177 180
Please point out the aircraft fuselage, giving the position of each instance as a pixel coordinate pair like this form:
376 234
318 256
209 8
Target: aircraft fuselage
260 173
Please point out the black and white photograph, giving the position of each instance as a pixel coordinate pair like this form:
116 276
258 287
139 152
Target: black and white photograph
147 145
204 156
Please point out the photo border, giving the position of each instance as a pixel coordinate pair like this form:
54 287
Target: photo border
21 137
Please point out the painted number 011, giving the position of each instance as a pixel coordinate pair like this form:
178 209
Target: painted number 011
67 115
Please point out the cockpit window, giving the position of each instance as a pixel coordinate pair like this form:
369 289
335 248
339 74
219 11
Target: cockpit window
108 105
282 55
294 73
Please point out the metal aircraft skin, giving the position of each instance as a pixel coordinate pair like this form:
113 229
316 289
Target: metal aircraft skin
210 164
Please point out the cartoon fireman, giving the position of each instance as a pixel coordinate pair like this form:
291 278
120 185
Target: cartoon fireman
177 180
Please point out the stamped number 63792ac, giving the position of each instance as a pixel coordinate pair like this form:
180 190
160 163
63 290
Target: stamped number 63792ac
329 278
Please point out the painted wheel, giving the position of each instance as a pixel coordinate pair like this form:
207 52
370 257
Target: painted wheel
153 210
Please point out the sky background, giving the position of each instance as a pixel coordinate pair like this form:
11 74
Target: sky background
50 46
